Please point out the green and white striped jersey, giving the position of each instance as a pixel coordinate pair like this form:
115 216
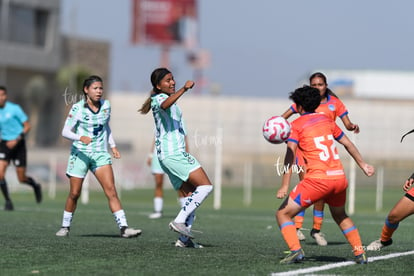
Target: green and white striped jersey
82 121
169 127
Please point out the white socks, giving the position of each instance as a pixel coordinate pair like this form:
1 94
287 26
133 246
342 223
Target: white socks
158 204
193 202
188 222
67 219
120 218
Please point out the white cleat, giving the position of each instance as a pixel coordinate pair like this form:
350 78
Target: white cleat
63 232
127 232
320 239
300 235
181 228
155 215
188 244
378 244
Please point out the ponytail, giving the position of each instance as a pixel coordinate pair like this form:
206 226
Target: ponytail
146 106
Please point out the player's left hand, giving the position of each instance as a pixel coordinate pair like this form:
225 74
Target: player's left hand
408 184
116 153
189 84
355 128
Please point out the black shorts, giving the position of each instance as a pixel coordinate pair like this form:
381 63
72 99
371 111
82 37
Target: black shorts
16 154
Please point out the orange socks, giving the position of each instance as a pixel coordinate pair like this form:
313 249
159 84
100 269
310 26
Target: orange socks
288 231
318 214
387 230
299 219
352 235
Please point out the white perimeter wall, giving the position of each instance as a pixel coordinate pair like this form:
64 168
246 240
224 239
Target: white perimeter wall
382 124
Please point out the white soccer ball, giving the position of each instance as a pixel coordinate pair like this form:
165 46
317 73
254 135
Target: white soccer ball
276 129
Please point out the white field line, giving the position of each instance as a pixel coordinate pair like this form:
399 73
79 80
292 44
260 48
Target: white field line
341 264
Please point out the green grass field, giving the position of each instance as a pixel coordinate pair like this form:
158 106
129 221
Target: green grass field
238 240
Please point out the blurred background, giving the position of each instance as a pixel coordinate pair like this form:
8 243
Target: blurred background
245 57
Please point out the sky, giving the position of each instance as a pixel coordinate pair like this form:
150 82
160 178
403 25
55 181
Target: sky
257 48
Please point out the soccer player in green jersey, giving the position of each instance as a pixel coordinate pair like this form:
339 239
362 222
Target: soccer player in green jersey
87 125
184 171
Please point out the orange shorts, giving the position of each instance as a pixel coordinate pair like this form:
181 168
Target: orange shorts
310 190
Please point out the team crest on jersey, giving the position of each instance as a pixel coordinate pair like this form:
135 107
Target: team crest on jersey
86 118
190 159
331 107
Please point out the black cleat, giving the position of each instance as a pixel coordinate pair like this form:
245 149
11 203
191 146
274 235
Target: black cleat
38 192
8 206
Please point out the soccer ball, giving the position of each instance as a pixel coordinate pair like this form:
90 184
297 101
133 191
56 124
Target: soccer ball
276 129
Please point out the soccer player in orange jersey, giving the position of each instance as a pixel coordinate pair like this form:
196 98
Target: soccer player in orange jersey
333 108
315 135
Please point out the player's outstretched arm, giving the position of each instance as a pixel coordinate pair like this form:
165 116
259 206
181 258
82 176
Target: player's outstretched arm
349 125
353 151
174 97
287 113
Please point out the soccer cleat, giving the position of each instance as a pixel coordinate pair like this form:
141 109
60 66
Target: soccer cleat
361 259
181 228
155 215
63 232
319 237
300 235
38 192
188 244
378 244
8 206
294 257
127 232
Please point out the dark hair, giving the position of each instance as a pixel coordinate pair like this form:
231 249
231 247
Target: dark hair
156 76
323 77
88 82
91 79
307 97
3 88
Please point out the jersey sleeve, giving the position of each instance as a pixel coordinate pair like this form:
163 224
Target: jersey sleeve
20 114
294 133
340 107
70 123
158 99
294 108
337 132
111 140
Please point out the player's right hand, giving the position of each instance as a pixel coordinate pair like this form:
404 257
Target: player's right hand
86 140
369 170
281 193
